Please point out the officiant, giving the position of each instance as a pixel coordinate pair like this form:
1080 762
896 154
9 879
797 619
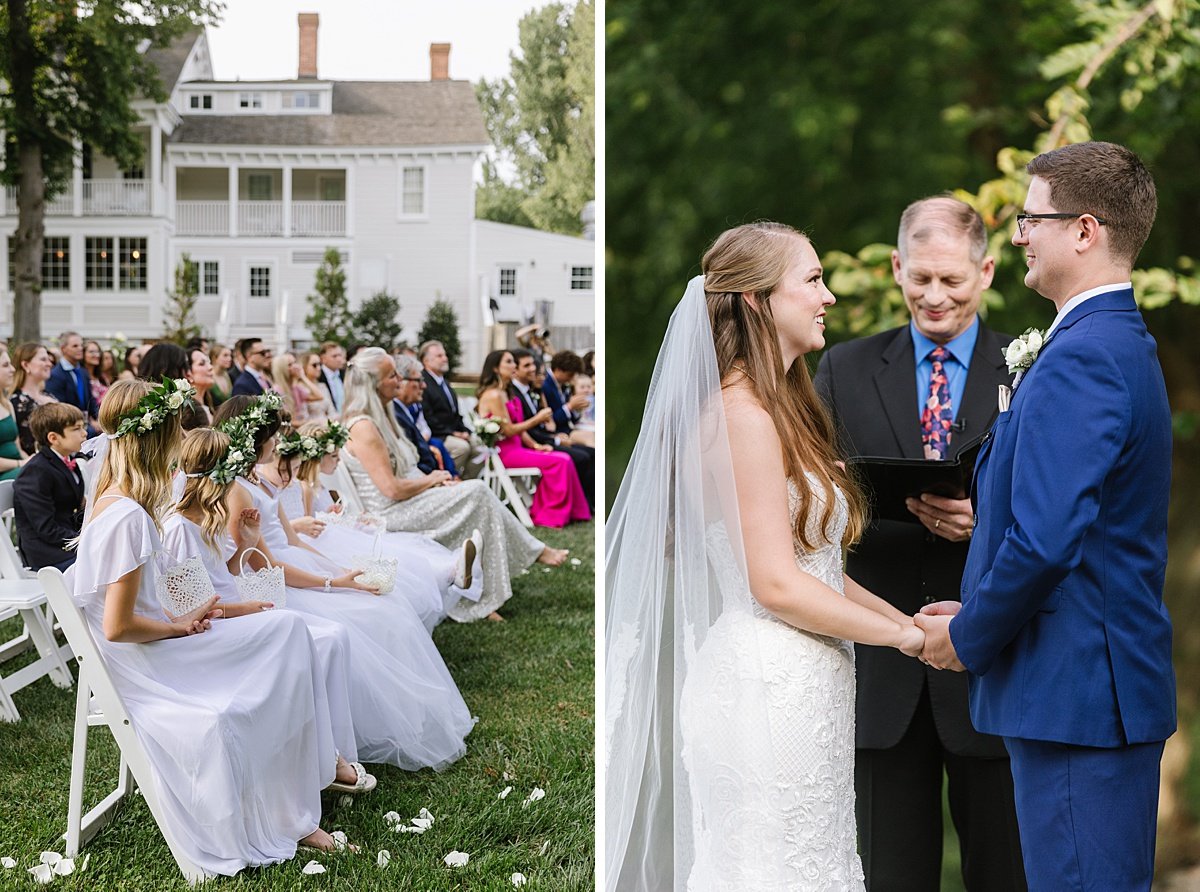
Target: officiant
924 390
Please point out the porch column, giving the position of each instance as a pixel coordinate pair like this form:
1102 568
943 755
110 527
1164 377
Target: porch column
287 201
233 200
77 180
155 169
350 168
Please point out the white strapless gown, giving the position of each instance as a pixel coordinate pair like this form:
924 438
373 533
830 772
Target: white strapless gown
767 724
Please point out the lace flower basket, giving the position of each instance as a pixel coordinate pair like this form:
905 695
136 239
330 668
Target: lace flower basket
261 585
184 587
378 571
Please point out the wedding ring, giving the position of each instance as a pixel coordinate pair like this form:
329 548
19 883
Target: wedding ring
937 524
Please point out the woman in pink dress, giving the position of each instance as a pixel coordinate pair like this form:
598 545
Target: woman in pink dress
559 497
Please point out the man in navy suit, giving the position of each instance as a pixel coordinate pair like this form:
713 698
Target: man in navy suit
332 376
556 388
253 380
70 382
1062 624
409 393
48 495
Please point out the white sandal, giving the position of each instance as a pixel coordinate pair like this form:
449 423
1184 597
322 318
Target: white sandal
464 568
364 783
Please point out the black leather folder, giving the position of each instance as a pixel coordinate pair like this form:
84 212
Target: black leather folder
887 482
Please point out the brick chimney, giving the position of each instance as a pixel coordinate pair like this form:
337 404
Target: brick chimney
308 22
439 61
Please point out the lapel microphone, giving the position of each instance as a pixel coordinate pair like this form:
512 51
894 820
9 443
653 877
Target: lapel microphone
959 426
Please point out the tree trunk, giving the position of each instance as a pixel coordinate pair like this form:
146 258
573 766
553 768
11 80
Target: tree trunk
31 197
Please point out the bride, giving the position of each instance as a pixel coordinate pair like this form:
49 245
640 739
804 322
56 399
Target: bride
729 666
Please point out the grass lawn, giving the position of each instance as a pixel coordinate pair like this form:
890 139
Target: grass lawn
530 681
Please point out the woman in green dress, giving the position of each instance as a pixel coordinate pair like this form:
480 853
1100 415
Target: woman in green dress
11 458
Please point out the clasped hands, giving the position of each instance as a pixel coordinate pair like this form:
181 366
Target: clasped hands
934 647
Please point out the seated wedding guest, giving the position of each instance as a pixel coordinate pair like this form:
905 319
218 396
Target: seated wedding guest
313 451
407 407
439 404
556 388
166 359
196 530
239 767
321 407
589 364
200 373
383 465
31 369
333 364
584 433
526 385
559 498
197 343
407 711
298 394
129 364
93 361
108 367
254 379
11 456
221 358
48 496
69 381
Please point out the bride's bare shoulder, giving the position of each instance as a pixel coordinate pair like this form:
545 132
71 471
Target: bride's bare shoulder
745 413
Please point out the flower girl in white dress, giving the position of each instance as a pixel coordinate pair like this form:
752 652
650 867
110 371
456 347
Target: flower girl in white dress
232 716
430 575
196 530
406 708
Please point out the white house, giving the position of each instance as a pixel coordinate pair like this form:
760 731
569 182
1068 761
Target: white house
256 179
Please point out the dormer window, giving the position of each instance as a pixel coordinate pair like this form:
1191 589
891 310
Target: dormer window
250 100
301 99
200 101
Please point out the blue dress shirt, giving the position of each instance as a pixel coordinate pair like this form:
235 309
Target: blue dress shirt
961 349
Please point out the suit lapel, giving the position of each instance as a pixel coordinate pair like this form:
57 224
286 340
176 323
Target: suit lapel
894 381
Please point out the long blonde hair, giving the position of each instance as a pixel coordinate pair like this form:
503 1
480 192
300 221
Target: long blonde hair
202 449
754 259
364 374
139 465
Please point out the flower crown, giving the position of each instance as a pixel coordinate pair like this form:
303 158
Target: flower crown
154 408
241 430
327 442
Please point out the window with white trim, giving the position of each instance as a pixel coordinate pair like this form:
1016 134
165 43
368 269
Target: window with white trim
98 268
250 100
56 263
508 281
210 277
200 101
260 281
412 195
581 278
301 99
134 269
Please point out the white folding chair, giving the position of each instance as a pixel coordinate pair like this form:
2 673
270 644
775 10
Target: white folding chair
503 482
23 597
97 691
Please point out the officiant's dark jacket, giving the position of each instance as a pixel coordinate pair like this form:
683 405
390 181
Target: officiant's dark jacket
870 387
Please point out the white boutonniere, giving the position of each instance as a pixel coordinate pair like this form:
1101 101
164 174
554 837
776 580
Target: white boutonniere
1021 353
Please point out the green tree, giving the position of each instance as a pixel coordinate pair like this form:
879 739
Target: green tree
72 73
375 322
329 317
541 119
441 324
179 313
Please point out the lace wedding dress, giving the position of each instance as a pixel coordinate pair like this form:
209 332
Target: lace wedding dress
767 727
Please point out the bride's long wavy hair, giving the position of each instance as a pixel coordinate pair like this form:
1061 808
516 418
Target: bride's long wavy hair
753 259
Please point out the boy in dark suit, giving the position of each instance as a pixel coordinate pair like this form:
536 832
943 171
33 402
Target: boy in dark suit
48 497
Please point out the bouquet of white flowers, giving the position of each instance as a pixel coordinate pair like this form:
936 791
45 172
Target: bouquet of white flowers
488 431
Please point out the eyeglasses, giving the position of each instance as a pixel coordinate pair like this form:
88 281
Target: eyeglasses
414 380
1023 218
266 352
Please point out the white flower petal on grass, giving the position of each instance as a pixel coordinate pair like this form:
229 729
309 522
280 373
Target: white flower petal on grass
392 818
50 858
504 793
457 859
346 801
422 823
545 847
423 815
339 839
7 863
545 569
506 776
518 880
575 562
534 795
86 858
65 867
313 867
42 873
383 858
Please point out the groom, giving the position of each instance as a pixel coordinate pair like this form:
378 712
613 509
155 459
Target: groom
1062 624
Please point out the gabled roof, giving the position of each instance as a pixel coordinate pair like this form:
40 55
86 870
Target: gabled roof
365 113
169 60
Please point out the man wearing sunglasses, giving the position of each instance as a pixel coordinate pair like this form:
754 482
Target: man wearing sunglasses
253 380
1062 625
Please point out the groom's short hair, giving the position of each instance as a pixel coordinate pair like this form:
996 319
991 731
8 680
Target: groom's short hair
1108 181
941 215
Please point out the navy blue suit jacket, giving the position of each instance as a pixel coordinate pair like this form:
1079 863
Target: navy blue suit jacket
556 401
61 386
47 509
426 462
1063 626
246 384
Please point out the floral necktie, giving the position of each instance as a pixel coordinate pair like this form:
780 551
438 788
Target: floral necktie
938 415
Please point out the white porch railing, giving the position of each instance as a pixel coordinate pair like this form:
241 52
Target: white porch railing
318 218
116 197
60 206
202 217
260 218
